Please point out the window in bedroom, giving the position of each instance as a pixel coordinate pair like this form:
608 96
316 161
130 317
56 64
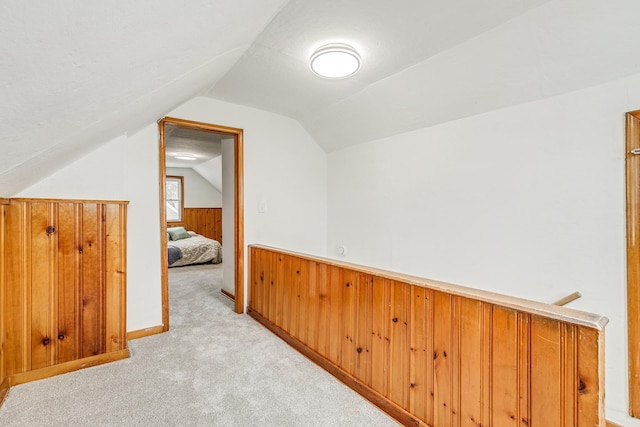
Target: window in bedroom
174 194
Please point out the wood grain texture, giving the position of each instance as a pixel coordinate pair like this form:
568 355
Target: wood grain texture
147 332
4 378
205 221
632 162
442 358
62 279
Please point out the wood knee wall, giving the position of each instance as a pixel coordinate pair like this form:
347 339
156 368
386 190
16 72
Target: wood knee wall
431 353
62 286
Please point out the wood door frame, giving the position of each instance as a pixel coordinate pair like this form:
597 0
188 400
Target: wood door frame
632 167
238 171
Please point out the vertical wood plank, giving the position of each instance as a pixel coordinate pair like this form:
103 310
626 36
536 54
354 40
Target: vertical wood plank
430 325
349 305
524 369
418 357
381 337
454 357
294 298
16 311
313 300
115 278
363 338
92 310
471 361
324 309
569 374
256 298
267 285
442 360
335 315
399 345
3 256
590 377
287 282
254 262
504 375
42 297
280 285
68 281
303 300
273 283
546 351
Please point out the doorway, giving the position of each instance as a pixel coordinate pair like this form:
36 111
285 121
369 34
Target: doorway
238 207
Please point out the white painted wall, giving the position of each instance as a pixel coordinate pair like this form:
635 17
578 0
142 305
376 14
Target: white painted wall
526 201
211 170
228 216
198 192
284 168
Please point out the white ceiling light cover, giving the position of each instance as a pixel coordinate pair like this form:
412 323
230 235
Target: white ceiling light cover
335 61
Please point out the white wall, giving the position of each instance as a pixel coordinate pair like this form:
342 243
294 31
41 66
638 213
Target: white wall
283 167
527 201
211 170
198 193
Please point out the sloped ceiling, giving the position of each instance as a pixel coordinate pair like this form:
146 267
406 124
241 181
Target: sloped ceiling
74 74
429 61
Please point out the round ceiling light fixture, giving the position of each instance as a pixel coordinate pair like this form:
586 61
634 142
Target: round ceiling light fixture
335 61
185 156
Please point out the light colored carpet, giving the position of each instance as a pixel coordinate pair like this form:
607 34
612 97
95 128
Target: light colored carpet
214 368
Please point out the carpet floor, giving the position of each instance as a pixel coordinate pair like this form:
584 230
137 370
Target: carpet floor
213 368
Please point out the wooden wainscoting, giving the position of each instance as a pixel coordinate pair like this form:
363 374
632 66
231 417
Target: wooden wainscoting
204 221
431 353
62 286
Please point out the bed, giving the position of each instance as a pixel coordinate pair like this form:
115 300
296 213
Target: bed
187 247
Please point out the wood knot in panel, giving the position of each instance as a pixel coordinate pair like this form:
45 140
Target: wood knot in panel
582 387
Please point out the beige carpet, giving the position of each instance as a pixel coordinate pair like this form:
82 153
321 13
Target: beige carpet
214 368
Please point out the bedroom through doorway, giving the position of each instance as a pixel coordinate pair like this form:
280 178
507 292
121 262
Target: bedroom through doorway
201 210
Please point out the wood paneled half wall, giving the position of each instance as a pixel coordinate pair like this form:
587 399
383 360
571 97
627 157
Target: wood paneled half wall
430 353
62 286
205 221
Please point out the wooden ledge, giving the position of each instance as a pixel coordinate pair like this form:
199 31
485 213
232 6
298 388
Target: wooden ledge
562 314
47 200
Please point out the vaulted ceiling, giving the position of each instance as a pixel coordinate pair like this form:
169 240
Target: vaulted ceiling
75 74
